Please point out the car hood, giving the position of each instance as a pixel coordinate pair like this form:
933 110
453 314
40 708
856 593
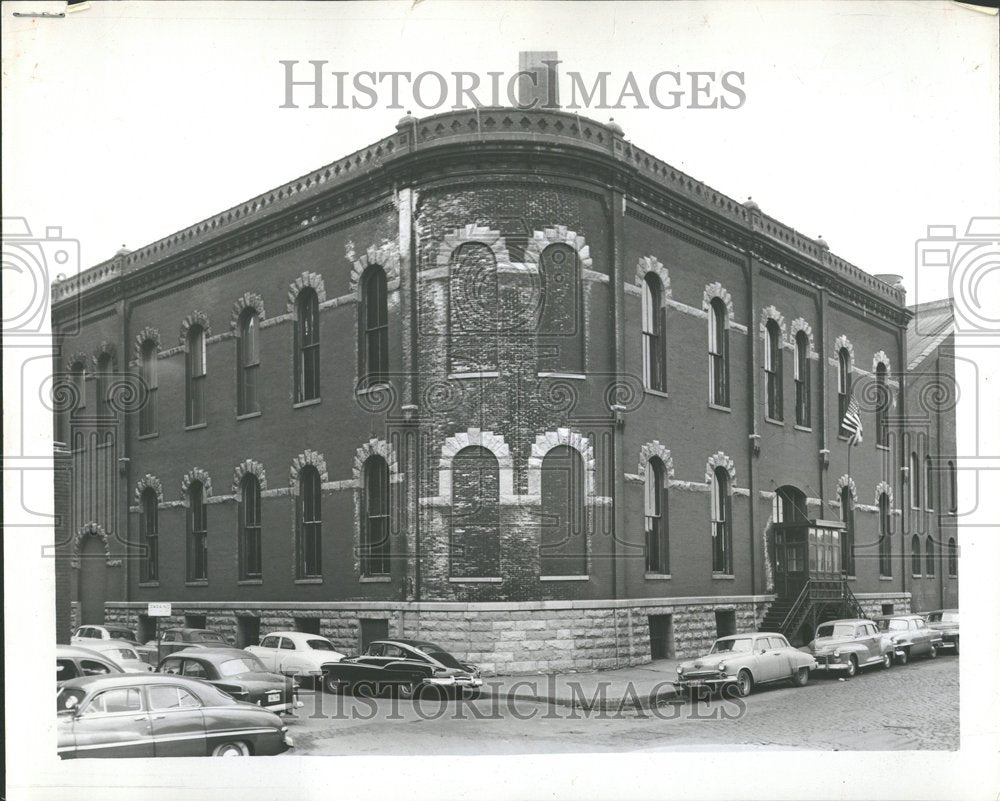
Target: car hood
828 643
943 626
708 662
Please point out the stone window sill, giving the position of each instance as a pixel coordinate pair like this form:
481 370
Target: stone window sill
723 577
248 415
475 580
879 446
564 578
196 426
310 580
310 402
248 582
149 584
918 575
658 576
774 421
571 376
658 392
196 583
719 408
151 435
885 578
803 428
374 388
375 579
483 374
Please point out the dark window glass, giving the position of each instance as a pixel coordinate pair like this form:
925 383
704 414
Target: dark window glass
195 374
657 521
248 363
928 483
952 487
722 526
843 387
803 401
475 517
885 537
952 557
718 352
197 533
930 558
847 517
654 340
310 520
149 523
78 375
375 518
249 514
148 365
563 546
374 324
881 406
104 409
307 346
914 480
773 378
915 555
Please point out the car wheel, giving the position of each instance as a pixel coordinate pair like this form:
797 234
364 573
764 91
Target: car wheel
852 666
406 689
744 683
886 662
236 748
800 677
903 657
956 646
934 652
332 684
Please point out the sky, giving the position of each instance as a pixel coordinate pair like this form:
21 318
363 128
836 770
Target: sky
863 122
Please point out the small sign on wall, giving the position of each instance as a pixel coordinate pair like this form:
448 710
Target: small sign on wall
158 609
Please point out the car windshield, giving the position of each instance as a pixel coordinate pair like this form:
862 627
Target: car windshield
123 653
206 636
740 645
243 664
445 659
943 617
320 645
894 625
122 634
836 630
63 702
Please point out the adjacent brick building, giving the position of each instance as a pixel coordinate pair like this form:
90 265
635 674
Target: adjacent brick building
500 379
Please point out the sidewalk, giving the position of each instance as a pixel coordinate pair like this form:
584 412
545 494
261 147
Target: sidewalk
643 686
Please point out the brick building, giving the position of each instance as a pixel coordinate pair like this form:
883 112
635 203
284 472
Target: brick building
500 379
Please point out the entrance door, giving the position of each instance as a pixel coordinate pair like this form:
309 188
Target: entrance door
373 629
661 636
93 578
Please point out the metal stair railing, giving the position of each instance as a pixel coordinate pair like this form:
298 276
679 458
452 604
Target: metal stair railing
798 611
851 603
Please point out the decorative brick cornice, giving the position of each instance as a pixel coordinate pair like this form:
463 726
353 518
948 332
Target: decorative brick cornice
559 234
148 481
147 334
307 279
195 318
551 439
305 458
92 530
717 290
385 256
651 264
248 300
374 447
661 452
196 474
248 467
719 459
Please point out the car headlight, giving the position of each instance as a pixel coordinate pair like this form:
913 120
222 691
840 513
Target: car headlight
722 666
680 670
836 654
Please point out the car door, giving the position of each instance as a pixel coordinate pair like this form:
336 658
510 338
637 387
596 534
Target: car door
285 659
267 651
114 723
177 720
768 659
783 652
922 636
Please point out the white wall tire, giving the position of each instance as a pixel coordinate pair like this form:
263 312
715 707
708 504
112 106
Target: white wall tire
852 666
744 683
231 749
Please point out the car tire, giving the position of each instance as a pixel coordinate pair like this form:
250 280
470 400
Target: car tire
852 666
800 677
234 748
956 646
744 683
406 690
886 661
904 657
332 684
934 652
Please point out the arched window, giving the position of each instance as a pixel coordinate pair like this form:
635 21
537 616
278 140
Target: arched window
790 505
657 519
915 562
248 363
148 374
803 402
952 488
847 518
149 528
952 557
722 523
718 353
773 380
249 515
373 328
195 370
306 345
885 536
654 340
930 557
914 480
197 518
104 409
843 387
475 516
78 375
309 524
375 518
563 541
560 326
928 483
474 310
881 407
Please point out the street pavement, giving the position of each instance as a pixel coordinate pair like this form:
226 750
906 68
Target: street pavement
910 707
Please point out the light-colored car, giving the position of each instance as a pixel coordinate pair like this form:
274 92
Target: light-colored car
72 662
910 636
744 661
122 653
84 636
850 644
296 653
946 622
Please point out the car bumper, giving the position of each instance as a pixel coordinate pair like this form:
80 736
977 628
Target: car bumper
704 681
831 664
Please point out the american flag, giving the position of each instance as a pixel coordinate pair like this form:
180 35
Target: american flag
852 423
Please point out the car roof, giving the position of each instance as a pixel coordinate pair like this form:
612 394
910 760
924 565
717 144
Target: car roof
935 611
897 617
107 645
210 653
745 634
189 630
127 679
845 620
295 635
76 650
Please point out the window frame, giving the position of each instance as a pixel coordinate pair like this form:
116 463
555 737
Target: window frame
952 557
248 363
309 524
251 564
149 531
149 373
654 334
197 519
803 389
718 353
656 510
928 483
376 509
307 346
845 381
195 372
847 541
774 392
102 376
722 523
916 557
373 327
882 406
885 536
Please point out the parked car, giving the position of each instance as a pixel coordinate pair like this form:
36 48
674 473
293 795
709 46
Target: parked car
296 653
850 644
403 667
743 661
72 662
122 654
910 636
147 715
236 673
174 639
946 622
85 635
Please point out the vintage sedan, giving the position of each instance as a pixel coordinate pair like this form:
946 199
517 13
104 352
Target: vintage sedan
850 644
910 636
403 667
296 653
179 637
150 715
72 662
84 636
743 661
945 621
122 654
236 673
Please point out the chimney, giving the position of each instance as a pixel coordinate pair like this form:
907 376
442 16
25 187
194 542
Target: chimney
539 88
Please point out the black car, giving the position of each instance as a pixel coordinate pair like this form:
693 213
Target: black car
945 621
403 667
175 639
237 673
149 715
